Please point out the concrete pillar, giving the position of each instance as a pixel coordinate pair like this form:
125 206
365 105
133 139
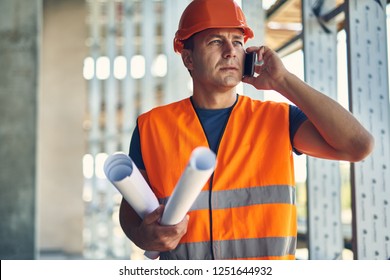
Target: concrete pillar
19 33
61 143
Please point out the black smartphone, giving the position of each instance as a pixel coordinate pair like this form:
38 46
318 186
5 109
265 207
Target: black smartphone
249 64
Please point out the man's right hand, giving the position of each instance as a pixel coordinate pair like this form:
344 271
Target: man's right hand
150 235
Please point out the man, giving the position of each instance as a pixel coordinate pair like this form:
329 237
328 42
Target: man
248 207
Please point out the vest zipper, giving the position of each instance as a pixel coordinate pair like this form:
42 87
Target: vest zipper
211 217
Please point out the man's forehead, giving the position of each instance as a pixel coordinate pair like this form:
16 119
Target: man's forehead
235 32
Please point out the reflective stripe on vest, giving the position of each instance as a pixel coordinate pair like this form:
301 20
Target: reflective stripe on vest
244 197
248 210
236 249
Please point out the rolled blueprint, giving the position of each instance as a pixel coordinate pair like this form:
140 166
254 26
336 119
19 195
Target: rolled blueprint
201 165
126 177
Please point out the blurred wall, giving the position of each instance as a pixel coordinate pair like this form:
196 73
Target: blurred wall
19 40
61 144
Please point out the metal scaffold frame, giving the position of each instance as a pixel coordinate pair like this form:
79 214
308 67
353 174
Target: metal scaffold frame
369 102
323 180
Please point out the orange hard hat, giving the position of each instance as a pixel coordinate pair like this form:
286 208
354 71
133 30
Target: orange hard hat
203 14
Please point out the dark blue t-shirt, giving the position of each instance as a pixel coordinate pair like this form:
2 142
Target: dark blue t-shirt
213 122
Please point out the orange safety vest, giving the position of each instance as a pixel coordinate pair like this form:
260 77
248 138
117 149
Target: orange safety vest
247 209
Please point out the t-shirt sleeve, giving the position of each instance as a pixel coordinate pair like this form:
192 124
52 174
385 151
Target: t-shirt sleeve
135 149
297 117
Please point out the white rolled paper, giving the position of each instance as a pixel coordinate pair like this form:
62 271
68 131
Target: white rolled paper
199 169
126 177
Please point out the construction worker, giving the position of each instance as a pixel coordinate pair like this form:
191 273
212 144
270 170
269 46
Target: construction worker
247 209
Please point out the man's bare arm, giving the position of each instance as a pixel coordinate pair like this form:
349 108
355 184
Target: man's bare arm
331 131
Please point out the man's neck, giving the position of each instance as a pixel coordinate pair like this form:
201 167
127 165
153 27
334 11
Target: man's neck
214 100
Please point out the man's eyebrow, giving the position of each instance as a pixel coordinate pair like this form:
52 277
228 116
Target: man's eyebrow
241 37
215 35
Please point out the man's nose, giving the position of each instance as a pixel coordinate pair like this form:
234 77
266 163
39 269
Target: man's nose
229 50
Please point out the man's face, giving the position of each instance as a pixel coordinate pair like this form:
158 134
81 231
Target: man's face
217 58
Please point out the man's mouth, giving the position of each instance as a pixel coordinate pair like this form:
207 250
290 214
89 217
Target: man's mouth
229 68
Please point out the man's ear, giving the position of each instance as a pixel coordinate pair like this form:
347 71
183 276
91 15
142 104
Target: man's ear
186 56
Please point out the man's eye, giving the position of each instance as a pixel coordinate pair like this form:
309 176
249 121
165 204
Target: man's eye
216 42
238 43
